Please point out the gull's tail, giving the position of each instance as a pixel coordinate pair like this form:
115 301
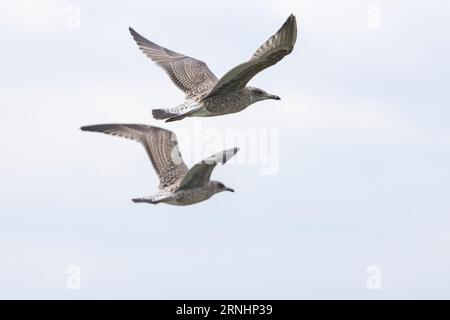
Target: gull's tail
161 114
168 114
145 200
158 197
177 113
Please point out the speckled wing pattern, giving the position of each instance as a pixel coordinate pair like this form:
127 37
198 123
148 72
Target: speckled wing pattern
161 146
268 54
192 76
199 175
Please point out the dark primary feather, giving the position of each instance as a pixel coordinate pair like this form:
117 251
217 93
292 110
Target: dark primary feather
268 54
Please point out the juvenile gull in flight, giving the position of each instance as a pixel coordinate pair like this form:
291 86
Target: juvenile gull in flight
178 184
207 96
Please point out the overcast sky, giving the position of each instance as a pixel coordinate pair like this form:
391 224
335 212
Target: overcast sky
349 170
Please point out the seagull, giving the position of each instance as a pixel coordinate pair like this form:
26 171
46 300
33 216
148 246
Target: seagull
208 96
178 184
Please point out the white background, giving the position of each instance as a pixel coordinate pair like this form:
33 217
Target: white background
364 153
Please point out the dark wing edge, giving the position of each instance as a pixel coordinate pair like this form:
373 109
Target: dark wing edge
269 53
199 175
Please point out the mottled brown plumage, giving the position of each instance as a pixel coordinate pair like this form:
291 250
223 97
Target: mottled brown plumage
178 185
269 53
190 75
206 96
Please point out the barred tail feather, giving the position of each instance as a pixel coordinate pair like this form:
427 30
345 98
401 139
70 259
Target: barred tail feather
177 117
160 114
158 197
145 200
186 109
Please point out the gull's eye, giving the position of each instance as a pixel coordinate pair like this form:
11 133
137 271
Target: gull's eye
257 91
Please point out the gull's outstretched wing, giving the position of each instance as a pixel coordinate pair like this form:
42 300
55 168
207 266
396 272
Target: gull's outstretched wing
268 54
161 146
192 76
199 175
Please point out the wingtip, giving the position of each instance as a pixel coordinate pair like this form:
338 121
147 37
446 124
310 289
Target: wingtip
133 32
89 128
233 150
291 24
229 156
95 127
292 19
223 156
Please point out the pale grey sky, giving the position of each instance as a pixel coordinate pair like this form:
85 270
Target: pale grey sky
362 155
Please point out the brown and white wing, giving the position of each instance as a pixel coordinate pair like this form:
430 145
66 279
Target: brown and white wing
199 175
161 146
268 54
192 76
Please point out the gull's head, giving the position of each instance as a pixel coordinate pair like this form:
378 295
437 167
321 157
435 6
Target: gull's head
257 94
219 187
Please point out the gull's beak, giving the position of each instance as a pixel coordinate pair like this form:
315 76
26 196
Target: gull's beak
274 97
229 189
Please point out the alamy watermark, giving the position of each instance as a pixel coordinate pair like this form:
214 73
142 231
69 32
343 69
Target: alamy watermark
73 280
373 21
373 281
260 147
73 17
